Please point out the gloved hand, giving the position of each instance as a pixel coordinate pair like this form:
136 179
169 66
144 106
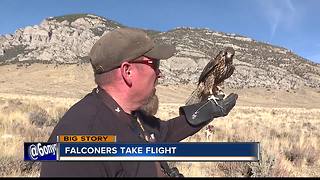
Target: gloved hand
207 110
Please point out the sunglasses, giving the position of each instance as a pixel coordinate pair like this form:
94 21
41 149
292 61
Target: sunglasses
154 64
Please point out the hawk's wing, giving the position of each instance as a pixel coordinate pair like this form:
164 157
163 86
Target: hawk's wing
228 72
209 67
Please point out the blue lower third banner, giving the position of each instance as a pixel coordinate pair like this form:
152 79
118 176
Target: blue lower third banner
159 152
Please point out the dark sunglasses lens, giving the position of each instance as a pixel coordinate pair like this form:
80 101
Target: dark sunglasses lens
157 64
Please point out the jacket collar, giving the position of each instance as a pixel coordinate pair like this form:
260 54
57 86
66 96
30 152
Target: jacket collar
111 104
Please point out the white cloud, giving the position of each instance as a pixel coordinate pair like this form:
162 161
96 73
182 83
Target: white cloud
279 14
290 5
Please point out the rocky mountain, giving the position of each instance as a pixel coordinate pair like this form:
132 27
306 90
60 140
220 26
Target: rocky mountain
68 40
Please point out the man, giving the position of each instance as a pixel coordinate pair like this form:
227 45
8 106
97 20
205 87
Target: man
126 67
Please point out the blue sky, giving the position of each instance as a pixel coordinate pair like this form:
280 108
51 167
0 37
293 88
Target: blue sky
292 24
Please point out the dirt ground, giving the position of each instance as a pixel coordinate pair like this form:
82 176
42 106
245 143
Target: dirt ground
72 81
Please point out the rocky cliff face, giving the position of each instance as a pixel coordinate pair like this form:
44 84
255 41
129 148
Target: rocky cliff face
68 40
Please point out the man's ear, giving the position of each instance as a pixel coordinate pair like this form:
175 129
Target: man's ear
126 73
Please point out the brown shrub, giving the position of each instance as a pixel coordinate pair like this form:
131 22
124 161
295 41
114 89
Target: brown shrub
13 166
298 153
295 155
235 169
312 155
38 117
13 105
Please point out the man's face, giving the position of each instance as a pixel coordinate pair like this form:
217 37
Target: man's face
152 105
145 79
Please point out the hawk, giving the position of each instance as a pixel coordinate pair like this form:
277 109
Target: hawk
213 76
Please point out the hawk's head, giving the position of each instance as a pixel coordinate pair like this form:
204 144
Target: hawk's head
229 53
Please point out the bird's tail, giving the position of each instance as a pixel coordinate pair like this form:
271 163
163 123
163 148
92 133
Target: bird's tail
194 97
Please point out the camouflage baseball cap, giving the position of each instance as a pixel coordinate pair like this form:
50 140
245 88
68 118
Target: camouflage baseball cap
125 44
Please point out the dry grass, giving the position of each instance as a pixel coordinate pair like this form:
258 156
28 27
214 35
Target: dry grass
21 122
286 124
289 140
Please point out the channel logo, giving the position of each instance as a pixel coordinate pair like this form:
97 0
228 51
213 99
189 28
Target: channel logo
39 151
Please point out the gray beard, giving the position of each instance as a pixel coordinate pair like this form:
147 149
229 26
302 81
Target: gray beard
151 108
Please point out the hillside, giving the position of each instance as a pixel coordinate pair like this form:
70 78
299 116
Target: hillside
68 40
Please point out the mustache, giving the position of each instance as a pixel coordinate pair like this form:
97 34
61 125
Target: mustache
152 105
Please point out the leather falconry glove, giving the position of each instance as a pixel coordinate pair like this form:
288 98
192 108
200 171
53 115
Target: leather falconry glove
207 110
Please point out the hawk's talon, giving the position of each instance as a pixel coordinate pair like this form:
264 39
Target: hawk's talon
221 94
214 99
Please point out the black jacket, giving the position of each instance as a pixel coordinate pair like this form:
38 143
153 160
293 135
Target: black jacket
98 113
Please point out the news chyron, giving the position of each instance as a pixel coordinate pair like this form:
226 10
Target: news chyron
44 151
105 148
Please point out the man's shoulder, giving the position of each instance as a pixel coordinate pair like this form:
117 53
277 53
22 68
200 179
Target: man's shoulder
87 106
80 117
